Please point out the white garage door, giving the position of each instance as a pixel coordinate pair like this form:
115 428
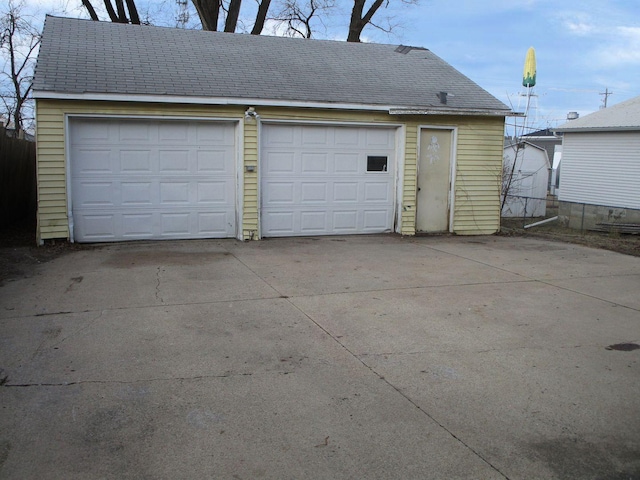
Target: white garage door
326 180
152 179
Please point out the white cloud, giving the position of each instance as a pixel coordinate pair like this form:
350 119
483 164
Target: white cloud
579 28
622 47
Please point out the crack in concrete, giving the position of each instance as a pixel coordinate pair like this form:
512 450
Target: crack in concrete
158 297
401 393
123 382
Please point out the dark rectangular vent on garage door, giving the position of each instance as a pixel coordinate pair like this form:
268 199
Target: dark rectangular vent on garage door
376 164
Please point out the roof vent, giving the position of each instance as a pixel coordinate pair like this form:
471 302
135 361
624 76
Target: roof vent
443 97
404 49
572 115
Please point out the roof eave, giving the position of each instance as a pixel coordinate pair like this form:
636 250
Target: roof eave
265 102
453 111
597 129
146 98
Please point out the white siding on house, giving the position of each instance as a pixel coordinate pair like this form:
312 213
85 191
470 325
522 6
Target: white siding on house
601 168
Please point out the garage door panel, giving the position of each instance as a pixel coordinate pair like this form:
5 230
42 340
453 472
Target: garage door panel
214 224
139 225
97 226
213 161
345 221
314 163
173 192
174 133
346 163
313 222
373 220
95 193
377 192
346 136
135 161
176 188
279 162
313 192
134 133
281 223
323 169
175 223
280 192
91 132
315 136
136 194
345 192
213 192
173 161
94 161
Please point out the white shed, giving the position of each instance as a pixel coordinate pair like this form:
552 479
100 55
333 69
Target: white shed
525 179
599 185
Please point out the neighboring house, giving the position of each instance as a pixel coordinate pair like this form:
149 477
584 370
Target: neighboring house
153 133
600 182
527 188
552 143
10 132
546 139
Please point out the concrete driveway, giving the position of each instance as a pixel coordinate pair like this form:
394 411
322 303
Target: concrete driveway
336 357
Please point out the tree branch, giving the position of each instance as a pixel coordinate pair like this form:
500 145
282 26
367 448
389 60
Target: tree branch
90 10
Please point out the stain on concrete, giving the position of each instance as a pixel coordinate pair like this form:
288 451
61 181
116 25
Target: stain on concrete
5 448
204 419
74 281
623 347
572 458
133 259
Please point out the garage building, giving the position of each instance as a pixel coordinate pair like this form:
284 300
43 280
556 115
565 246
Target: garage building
157 133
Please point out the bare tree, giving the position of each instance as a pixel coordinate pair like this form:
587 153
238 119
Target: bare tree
117 13
300 17
19 42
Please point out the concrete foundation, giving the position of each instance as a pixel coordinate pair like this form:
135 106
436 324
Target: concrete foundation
583 216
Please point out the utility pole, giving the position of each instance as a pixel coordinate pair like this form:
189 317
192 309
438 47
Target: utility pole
605 94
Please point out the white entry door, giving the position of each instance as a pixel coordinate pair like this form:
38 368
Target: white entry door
152 179
434 180
326 180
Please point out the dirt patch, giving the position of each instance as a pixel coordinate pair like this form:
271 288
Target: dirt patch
20 255
616 242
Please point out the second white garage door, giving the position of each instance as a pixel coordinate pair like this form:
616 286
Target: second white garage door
152 179
326 180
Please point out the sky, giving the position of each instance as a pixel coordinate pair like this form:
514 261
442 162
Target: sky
583 47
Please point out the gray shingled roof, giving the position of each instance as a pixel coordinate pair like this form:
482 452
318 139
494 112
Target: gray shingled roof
83 57
622 116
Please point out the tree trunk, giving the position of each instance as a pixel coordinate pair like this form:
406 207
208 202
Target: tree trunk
208 11
232 16
133 12
261 16
122 15
358 21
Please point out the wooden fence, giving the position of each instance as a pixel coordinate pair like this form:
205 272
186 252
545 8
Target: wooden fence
18 197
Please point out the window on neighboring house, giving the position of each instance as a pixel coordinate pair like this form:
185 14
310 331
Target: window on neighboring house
376 164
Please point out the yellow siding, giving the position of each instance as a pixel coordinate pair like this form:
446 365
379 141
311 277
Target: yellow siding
51 155
479 158
478 176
